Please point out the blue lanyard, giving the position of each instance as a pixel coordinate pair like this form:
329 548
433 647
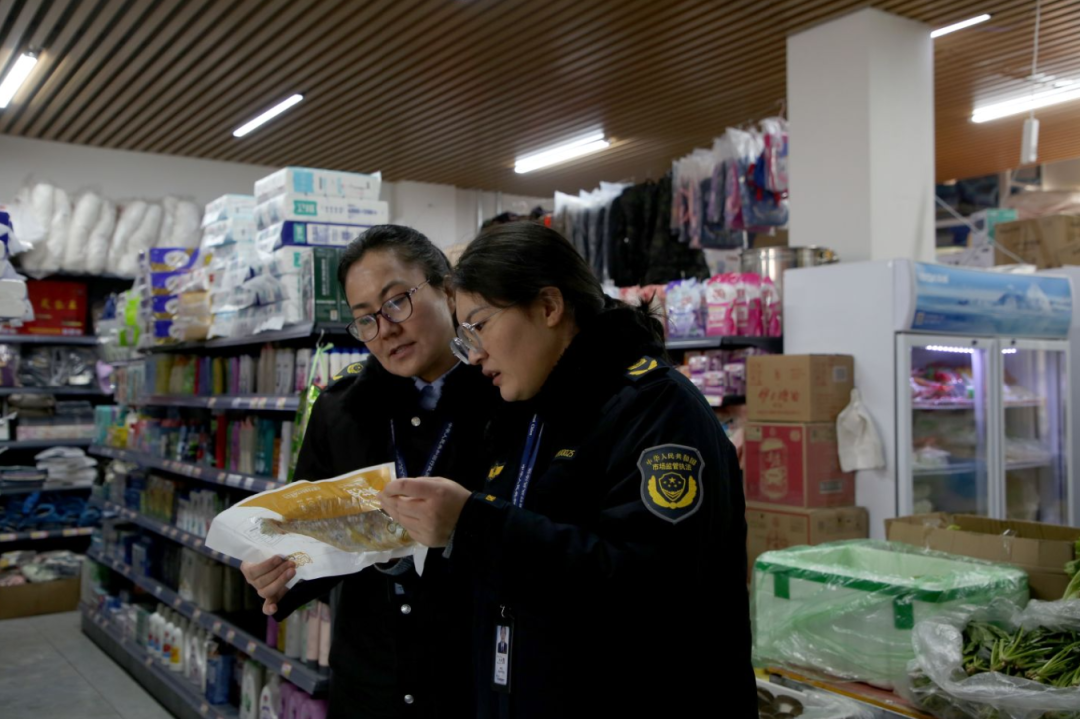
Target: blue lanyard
528 460
436 451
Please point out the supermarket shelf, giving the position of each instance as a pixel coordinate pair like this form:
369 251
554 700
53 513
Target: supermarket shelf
968 406
213 475
1021 466
27 488
308 679
269 403
46 534
296 332
82 340
774 345
65 391
955 468
178 695
166 530
44 443
731 400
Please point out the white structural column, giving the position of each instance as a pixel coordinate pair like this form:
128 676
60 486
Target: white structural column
861 103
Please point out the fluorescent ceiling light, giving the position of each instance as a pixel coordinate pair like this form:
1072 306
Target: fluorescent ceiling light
16 77
267 116
959 26
1066 93
584 146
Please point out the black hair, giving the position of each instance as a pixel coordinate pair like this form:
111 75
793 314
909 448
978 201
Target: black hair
410 246
509 265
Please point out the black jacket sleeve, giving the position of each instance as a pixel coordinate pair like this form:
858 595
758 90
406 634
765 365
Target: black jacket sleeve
313 463
628 543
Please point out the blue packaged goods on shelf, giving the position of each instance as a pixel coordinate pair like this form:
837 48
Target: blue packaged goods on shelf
169 259
284 234
342 211
219 671
163 307
166 283
319 183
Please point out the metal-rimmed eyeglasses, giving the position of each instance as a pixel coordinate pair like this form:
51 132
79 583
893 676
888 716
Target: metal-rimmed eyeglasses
468 337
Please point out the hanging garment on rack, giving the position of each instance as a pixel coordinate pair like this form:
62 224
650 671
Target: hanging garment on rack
670 259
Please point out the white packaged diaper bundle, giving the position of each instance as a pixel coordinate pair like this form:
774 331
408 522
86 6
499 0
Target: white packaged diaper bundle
97 249
311 182
300 208
84 219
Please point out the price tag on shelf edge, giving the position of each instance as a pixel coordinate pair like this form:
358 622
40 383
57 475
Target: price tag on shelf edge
7 537
281 402
39 535
237 401
196 614
212 403
230 635
70 532
286 669
217 627
177 602
204 708
249 482
251 646
157 591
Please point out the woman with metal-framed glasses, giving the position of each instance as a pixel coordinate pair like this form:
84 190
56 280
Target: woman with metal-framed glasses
401 641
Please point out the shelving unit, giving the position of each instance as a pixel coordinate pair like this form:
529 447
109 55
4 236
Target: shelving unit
969 406
180 697
268 403
212 475
44 443
65 391
311 680
46 534
165 529
79 340
773 345
24 488
295 332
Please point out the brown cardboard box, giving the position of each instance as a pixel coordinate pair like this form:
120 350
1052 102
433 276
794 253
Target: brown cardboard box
28 600
798 388
1045 242
769 527
796 465
1039 549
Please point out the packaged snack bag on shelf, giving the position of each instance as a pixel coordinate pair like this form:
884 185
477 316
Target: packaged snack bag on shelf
721 293
772 309
684 310
749 320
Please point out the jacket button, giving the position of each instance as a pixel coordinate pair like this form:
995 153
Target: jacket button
406 609
415 421
409 699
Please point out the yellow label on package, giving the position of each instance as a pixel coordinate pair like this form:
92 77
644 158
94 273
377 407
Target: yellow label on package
327 528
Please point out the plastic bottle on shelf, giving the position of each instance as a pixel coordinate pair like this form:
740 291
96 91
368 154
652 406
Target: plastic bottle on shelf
283 634
176 659
251 687
295 636
270 701
311 655
168 634
324 635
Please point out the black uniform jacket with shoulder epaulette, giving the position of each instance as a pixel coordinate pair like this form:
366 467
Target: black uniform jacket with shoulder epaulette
397 636
624 572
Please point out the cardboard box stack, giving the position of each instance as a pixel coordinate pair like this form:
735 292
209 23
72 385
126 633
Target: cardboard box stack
1046 242
795 491
1042 550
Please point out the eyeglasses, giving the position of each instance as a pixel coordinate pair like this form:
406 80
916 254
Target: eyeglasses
468 338
397 309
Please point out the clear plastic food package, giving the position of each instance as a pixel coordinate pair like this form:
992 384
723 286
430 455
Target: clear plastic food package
1034 654
846 609
330 527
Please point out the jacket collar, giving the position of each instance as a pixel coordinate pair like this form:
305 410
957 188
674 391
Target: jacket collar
376 393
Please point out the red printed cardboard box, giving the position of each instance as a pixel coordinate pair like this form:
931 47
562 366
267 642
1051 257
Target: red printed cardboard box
59 308
798 388
796 465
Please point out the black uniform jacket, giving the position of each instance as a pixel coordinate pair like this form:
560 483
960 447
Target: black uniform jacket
397 636
623 574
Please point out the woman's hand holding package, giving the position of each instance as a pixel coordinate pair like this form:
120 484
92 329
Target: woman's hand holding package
428 507
269 579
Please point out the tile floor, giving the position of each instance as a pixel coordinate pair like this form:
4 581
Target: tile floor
49 669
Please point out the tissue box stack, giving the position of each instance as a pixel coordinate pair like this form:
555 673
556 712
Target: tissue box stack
299 206
163 272
229 246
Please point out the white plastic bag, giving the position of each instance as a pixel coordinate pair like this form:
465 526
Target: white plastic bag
88 210
331 527
97 250
859 442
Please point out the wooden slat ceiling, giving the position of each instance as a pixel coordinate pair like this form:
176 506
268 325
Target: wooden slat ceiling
452 91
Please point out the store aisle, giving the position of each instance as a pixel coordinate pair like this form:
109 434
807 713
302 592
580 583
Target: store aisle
50 670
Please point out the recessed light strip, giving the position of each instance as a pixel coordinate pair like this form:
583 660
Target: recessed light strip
959 26
16 77
563 153
267 116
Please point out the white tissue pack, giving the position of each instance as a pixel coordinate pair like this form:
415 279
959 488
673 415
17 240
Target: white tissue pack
227 207
301 208
285 234
234 229
318 183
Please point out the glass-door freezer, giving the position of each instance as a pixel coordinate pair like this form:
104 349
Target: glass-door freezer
947 426
1035 452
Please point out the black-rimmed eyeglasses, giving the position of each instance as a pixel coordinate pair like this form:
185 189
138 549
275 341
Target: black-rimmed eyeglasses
397 309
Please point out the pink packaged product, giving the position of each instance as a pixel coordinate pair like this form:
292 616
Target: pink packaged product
736 378
721 295
699 364
715 387
748 318
771 306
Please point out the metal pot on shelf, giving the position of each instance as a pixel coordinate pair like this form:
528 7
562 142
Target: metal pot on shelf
772 261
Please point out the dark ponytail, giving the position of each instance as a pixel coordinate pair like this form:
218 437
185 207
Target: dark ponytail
509 265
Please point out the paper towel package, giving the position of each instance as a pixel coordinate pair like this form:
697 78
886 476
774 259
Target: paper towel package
234 229
228 206
166 283
163 307
301 208
287 261
285 234
318 183
169 259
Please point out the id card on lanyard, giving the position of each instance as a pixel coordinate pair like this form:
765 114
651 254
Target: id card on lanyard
433 458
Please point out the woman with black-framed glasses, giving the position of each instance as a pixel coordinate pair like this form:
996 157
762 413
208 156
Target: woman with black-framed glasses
401 641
